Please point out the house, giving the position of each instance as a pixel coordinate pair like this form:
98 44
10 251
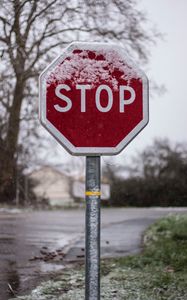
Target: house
61 189
52 185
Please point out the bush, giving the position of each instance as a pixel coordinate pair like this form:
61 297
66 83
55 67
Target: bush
157 178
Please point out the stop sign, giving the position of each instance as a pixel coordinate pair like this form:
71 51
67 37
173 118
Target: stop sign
93 99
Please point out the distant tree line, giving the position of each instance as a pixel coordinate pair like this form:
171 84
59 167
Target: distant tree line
157 177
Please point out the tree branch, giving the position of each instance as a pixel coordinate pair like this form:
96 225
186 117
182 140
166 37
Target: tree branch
29 20
41 12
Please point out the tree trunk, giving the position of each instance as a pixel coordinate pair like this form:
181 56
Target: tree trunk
9 148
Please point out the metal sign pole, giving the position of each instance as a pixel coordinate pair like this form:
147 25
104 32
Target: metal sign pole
92 280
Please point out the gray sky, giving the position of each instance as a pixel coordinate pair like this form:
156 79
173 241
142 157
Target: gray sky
167 65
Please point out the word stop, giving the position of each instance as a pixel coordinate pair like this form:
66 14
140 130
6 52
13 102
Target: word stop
124 91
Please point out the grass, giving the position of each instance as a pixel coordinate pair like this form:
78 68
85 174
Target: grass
159 273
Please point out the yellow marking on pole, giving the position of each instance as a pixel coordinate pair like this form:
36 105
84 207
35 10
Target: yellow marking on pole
93 193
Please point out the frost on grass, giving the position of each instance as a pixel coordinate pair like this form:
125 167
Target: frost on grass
165 228
93 67
122 283
68 286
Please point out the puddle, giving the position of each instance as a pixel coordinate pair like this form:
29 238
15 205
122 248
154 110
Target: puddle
19 281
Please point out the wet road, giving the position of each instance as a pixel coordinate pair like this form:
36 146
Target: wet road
34 244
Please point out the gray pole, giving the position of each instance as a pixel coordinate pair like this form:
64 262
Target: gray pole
92 282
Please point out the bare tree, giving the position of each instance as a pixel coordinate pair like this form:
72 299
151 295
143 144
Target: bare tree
31 33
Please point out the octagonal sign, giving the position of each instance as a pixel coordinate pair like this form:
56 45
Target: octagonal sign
93 99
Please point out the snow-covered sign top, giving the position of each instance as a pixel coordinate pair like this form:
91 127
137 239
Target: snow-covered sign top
92 64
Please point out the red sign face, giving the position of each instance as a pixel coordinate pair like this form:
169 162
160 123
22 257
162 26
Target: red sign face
93 99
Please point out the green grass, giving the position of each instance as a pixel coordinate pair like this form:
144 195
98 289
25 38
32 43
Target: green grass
165 245
158 273
161 270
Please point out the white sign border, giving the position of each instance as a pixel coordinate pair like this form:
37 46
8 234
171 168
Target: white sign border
91 151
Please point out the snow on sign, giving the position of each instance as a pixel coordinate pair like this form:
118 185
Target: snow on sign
93 99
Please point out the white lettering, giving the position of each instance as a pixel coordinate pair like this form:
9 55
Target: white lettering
124 101
63 97
83 89
110 98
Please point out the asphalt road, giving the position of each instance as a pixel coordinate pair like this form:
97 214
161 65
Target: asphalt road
33 245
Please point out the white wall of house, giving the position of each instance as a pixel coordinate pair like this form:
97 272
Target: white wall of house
52 185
